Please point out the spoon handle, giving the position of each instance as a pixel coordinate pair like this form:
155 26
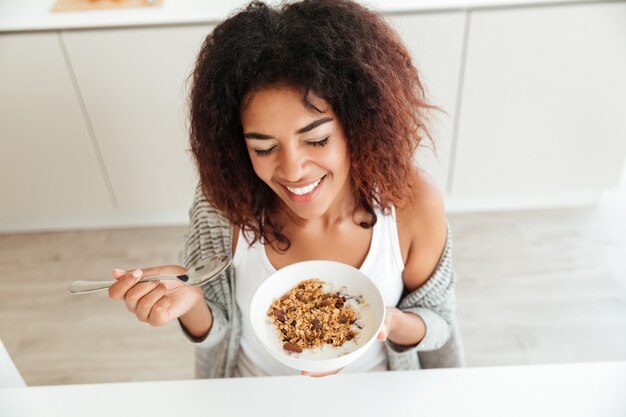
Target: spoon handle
80 287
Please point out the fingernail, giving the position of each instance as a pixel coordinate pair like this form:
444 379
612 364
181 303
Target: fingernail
119 271
137 273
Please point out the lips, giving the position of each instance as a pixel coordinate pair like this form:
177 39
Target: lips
306 193
304 190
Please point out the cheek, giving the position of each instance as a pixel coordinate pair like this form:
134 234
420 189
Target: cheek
338 162
262 168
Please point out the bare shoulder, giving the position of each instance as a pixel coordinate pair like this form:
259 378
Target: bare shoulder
422 230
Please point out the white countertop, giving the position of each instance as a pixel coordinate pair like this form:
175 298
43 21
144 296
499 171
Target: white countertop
573 390
35 15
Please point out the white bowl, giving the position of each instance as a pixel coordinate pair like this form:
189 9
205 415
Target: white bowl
338 275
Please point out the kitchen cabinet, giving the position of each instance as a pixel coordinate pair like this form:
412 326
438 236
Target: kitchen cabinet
94 127
50 166
134 85
436 43
543 108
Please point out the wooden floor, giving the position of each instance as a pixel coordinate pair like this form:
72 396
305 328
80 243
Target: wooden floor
534 287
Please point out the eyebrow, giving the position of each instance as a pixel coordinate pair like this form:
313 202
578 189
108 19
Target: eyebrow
307 128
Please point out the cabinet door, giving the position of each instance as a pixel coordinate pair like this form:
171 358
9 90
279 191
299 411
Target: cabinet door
544 101
134 84
50 173
436 42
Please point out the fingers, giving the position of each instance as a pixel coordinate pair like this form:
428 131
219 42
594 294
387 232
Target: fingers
163 270
118 290
390 318
320 374
118 273
159 314
145 304
137 292
382 336
153 271
127 279
128 289
147 300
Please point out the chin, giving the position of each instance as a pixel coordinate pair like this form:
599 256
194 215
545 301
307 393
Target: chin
314 211
308 214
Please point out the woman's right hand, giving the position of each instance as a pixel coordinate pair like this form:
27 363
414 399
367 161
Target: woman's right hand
154 302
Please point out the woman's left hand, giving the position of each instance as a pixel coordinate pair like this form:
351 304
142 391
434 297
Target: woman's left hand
382 336
390 315
319 374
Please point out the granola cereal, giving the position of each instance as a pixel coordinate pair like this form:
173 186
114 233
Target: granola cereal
307 316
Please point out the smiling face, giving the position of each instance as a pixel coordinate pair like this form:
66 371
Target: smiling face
301 154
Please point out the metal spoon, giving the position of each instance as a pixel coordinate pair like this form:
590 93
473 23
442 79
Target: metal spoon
201 274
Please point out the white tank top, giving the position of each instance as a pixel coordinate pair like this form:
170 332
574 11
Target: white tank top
383 264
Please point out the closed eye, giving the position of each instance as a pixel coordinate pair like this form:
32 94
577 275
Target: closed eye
322 142
265 152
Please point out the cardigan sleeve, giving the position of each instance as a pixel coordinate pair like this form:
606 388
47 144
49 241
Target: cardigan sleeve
209 234
435 303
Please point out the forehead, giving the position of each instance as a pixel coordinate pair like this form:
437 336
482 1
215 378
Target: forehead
280 105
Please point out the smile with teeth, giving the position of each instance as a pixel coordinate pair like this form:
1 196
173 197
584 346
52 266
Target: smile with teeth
304 190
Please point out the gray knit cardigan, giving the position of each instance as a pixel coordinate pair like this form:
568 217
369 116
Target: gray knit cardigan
210 233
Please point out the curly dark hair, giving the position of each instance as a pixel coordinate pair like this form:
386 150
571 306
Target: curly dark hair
339 50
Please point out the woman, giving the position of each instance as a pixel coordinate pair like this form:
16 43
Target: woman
304 121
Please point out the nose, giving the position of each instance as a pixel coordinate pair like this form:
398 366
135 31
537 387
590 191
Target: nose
291 163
